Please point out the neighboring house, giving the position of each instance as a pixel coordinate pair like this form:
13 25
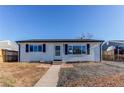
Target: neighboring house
113 50
8 51
60 50
114 45
9 45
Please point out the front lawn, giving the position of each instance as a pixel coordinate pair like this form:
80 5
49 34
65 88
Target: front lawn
92 75
20 74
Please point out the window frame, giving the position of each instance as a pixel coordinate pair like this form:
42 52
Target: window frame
40 48
70 48
35 48
31 46
82 51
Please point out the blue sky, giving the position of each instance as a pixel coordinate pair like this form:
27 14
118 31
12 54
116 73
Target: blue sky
42 22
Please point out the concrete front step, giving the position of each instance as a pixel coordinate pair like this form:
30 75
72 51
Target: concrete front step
57 62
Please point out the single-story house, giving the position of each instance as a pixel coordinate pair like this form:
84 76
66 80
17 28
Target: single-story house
60 50
8 51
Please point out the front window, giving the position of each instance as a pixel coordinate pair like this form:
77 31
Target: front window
31 48
80 49
83 49
70 50
76 49
35 48
39 48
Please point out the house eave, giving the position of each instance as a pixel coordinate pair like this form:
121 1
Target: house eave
59 40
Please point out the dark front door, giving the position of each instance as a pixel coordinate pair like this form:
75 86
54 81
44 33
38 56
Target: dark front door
58 52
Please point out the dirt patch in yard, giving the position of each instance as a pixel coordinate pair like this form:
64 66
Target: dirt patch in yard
91 75
20 74
64 65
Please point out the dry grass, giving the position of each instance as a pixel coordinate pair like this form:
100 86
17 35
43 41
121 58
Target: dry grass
64 65
92 75
116 80
20 74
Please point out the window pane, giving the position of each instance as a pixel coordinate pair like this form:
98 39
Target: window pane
57 47
39 48
31 48
70 50
35 48
76 49
83 49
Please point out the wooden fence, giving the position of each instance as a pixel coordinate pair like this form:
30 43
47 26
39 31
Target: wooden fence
8 55
112 56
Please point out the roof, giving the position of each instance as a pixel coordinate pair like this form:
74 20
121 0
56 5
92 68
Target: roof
9 45
109 43
60 40
117 41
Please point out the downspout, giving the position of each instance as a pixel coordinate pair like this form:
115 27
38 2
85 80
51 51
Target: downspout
18 51
101 50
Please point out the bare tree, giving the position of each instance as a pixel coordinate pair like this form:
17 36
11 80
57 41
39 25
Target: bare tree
89 35
83 36
86 36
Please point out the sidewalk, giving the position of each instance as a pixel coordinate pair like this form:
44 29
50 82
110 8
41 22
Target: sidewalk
50 78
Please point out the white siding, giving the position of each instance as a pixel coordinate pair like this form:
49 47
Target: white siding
49 54
93 56
36 56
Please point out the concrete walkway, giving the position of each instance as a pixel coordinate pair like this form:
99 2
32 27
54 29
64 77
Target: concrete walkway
50 78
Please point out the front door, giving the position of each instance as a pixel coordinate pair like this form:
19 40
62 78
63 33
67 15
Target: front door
57 52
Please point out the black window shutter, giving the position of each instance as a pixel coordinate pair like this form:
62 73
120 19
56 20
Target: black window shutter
66 49
44 47
88 49
27 48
